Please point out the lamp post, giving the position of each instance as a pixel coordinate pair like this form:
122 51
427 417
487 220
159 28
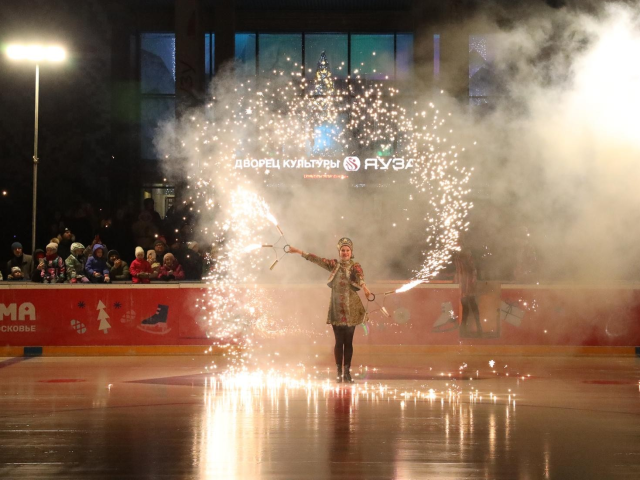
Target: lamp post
35 54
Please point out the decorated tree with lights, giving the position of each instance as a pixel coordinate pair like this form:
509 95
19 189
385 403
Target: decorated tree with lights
323 83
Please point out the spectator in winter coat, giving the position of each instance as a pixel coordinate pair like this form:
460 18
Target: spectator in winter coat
20 260
171 269
75 264
38 262
161 250
96 268
54 270
155 264
118 268
16 275
140 269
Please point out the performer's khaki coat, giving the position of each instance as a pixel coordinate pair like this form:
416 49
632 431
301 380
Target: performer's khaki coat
346 279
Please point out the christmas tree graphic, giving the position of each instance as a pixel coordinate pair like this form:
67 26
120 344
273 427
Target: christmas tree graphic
103 316
323 83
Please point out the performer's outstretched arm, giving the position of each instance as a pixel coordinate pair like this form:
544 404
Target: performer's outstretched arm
321 262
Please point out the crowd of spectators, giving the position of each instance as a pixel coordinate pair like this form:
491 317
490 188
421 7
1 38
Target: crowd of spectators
66 259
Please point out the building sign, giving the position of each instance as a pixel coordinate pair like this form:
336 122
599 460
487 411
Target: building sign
349 164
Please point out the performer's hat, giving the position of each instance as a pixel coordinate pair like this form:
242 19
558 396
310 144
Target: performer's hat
345 241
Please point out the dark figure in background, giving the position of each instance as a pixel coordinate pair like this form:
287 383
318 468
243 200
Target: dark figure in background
149 206
21 260
144 231
526 267
466 277
122 236
81 223
105 232
192 262
346 310
38 262
65 238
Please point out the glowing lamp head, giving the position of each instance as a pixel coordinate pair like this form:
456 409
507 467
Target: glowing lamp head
36 53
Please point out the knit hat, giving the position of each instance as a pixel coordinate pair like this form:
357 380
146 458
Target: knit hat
153 254
171 257
160 242
139 250
53 246
15 245
16 269
113 252
75 246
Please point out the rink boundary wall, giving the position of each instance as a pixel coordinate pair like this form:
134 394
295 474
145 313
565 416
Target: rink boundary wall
99 320
373 350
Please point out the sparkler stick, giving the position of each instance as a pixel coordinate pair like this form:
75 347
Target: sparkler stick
274 245
405 288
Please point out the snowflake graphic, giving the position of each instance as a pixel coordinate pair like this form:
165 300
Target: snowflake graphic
117 305
81 304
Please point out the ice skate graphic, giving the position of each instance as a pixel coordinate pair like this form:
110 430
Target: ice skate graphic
156 323
447 320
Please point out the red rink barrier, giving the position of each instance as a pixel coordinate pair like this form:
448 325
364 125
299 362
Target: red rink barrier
125 314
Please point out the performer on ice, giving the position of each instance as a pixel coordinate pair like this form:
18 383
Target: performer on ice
345 310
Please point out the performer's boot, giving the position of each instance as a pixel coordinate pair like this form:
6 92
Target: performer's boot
339 377
347 374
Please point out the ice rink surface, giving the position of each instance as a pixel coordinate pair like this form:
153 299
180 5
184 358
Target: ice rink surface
406 417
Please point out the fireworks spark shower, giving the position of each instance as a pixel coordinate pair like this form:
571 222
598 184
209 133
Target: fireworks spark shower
256 134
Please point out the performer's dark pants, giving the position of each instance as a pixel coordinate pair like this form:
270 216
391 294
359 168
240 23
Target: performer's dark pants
344 342
469 304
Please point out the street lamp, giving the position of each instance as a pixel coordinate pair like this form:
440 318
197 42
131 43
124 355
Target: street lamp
36 54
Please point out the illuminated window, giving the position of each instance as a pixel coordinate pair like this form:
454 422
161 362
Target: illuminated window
404 55
372 56
483 83
336 48
158 83
158 63
279 52
154 111
246 54
209 55
436 55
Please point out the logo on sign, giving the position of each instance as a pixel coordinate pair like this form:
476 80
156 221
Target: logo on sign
351 164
